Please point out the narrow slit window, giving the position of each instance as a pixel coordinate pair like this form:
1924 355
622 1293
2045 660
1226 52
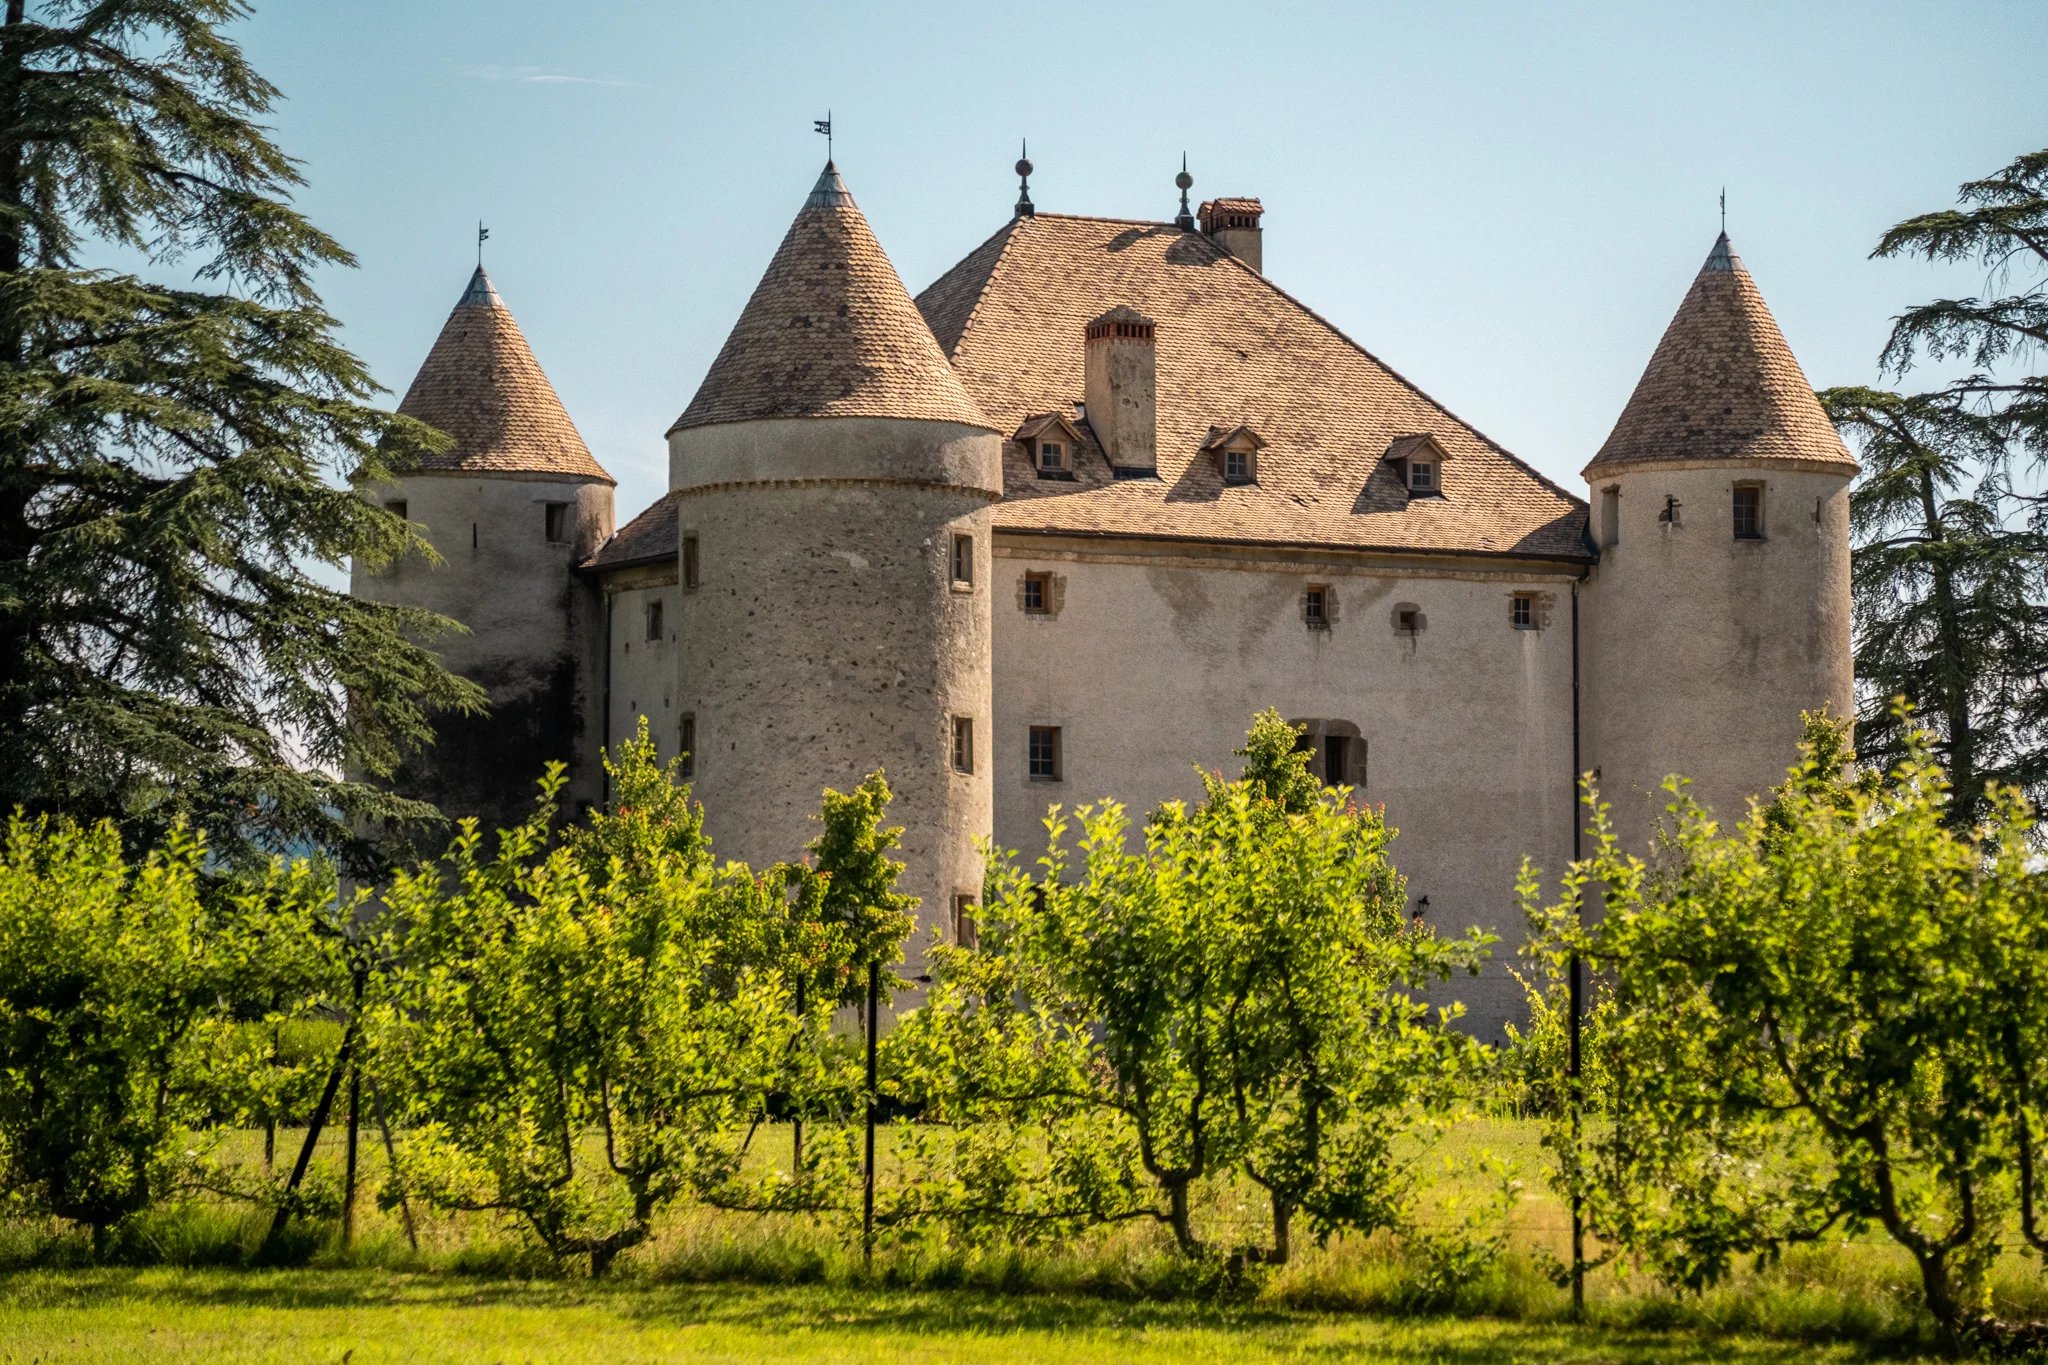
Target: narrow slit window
1044 756
1336 760
555 521
963 561
963 744
654 621
1749 511
686 742
690 578
964 906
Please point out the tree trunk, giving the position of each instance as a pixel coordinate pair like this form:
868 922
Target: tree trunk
1955 683
1177 1215
348 1182
1283 1230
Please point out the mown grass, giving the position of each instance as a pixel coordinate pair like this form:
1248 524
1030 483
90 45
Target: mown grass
190 1283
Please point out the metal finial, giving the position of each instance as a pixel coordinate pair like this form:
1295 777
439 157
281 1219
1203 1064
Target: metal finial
1184 219
1024 208
1724 210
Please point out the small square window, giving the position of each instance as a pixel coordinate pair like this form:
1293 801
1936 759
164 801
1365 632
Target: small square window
963 744
1237 466
555 519
1522 611
1421 476
1052 455
686 742
1037 593
690 578
654 622
1045 753
396 507
1749 511
963 561
1315 606
964 932
1408 620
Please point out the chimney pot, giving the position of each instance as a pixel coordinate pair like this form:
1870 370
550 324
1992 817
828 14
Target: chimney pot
1233 224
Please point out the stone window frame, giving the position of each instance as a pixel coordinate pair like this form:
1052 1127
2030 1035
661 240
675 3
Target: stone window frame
960 566
690 559
1522 611
1758 523
1610 516
966 933
1045 754
963 745
1052 592
1408 619
1316 733
554 523
653 612
1319 606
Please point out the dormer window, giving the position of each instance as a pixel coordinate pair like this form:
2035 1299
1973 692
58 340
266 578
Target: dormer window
1052 457
1418 463
1052 443
1236 451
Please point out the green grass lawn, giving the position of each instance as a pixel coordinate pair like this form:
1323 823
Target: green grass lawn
309 1317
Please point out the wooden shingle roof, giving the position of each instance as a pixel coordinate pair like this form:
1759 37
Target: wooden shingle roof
1233 350
482 387
1722 386
830 332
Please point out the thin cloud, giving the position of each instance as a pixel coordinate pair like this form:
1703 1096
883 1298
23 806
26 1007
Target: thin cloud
534 75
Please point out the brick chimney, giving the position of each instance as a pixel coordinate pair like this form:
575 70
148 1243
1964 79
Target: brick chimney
1233 224
1123 388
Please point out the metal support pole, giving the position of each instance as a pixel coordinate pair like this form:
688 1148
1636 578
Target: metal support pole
867 1196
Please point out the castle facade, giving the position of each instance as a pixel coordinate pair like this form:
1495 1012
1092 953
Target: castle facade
1054 529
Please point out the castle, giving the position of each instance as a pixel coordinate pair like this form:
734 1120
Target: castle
1054 529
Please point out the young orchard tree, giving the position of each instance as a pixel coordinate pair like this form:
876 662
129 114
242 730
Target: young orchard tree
117 1037
1235 997
172 451
1950 566
580 1031
1821 1019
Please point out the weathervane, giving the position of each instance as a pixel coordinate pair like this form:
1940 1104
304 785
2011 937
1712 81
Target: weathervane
1724 210
824 125
483 234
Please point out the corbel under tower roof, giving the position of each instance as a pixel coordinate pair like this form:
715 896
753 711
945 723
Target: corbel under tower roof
830 332
481 386
1722 386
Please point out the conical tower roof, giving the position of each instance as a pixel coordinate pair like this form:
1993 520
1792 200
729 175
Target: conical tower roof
1723 385
481 386
830 332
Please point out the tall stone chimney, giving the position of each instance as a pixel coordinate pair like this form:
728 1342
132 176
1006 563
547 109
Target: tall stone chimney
1233 224
1123 388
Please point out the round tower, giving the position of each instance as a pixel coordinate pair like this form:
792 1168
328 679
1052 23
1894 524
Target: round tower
832 483
1719 609
512 507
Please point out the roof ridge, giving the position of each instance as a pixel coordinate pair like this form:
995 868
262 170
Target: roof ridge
1013 227
1403 379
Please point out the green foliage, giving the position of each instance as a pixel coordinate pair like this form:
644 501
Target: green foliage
1236 997
117 987
580 1031
1951 559
170 457
1821 1019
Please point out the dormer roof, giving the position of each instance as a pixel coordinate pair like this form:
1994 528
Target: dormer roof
1408 447
1722 386
830 332
1220 437
481 386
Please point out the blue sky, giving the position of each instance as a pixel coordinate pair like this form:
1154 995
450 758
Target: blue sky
1504 202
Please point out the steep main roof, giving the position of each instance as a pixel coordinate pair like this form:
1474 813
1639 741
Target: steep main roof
1722 385
1233 350
830 332
481 386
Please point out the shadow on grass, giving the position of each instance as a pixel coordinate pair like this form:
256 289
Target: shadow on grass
881 1312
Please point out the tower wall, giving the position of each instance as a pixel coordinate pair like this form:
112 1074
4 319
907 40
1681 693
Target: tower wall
826 636
1701 649
534 635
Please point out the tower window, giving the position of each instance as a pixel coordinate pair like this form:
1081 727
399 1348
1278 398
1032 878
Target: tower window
555 518
963 561
690 578
654 623
1610 516
1037 594
1522 611
964 934
963 744
1749 511
396 507
1315 606
686 742
1044 754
